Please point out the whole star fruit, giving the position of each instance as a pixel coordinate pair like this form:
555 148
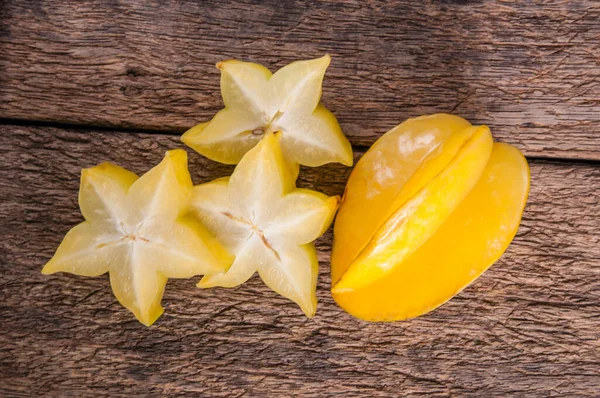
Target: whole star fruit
139 231
267 223
430 206
258 102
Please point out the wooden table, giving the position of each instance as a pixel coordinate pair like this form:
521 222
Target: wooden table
83 82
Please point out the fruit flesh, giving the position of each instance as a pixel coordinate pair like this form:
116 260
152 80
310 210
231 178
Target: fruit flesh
475 235
267 223
399 164
138 230
258 102
420 216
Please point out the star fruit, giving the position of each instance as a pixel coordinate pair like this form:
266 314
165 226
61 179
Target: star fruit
430 207
258 102
139 231
260 216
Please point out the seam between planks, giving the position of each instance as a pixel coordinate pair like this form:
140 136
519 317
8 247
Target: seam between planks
135 130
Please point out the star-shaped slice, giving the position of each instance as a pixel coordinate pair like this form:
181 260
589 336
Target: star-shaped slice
139 230
259 215
258 102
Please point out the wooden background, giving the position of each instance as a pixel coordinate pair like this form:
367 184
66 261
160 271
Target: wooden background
83 82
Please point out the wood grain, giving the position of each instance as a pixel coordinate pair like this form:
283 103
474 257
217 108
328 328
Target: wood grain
528 327
530 70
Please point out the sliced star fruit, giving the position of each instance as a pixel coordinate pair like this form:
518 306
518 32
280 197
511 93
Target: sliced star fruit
260 216
258 102
428 208
139 231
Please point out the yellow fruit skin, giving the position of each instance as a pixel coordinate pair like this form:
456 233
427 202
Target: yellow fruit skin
414 222
399 164
468 242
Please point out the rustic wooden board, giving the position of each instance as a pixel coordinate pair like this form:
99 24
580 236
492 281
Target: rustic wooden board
530 326
530 70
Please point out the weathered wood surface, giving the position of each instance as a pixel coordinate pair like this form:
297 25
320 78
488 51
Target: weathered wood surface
530 70
530 326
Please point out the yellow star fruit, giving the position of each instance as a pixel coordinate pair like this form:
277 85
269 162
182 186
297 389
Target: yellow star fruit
258 102
260 216
139 231
427 209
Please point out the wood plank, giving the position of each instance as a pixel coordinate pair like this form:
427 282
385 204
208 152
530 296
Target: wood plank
530 70
527 327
